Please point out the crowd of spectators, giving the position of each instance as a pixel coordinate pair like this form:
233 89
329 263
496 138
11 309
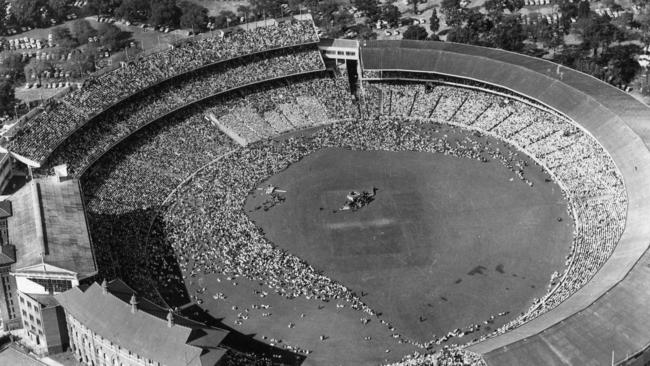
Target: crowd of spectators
40 135
123 196
211 233
592 184
91 141
276 108
200 226
125 188
446 356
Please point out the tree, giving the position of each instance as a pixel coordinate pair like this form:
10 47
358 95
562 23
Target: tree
549 34
453 12
7 96
368 7
612 5
112 37
266 8
624 21
226 18
3 11
26 12
63 38
500 6
391 14
12 66
193 16
621 66
81 62
509 34
35 68
133 10
434 21
477 29
58 8
82 30
366 32
596 32
460 34
415 32
569 56
101 7
643 19
164 13
583 9
568 11
244 12
333 18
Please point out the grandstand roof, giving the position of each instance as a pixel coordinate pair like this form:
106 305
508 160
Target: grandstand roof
145 332
342 43
48 225
609 315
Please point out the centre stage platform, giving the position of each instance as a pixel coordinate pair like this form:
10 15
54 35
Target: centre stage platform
607 318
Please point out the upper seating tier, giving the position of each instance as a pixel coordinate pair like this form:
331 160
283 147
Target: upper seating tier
36 138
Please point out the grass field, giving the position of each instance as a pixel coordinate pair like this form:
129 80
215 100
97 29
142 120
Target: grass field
344 344
447 242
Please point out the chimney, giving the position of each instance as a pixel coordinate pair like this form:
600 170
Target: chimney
104 287
170 319
134 304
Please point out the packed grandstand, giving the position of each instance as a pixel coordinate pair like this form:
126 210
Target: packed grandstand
146 140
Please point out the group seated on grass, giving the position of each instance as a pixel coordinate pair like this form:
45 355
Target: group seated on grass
162 203
40 135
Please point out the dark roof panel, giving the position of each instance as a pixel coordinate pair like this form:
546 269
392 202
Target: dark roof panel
5 209
7 255
46 301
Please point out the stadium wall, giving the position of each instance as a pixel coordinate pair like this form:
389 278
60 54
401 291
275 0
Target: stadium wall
609 315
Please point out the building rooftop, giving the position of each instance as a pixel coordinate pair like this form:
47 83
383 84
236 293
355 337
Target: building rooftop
339 43
145 332
46 301
15 357
48 225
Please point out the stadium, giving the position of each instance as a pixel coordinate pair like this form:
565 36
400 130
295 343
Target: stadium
506 224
